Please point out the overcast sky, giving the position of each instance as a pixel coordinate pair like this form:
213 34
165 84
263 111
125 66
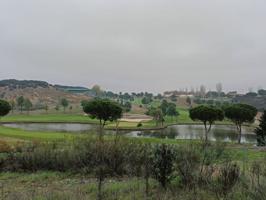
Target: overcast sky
133 45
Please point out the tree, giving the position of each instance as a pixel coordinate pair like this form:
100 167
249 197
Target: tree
20 102
219 88
46 107
171 111
127 106
104 110
146 100
157 115
163 162
251 94
146 157
261 131
262 92
164 107
64 102
240 114
159 96
57 107
27 104
189 101
83 102
4 108
173 98
12 103
206 114
96 90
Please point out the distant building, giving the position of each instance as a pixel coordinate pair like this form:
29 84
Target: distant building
178 93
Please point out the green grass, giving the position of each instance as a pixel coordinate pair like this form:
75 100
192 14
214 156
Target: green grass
137 101
54 185
49 118
7 132
79 118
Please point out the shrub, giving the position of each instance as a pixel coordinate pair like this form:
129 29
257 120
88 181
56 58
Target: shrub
188 164
228 176
5 147
163 160
139 124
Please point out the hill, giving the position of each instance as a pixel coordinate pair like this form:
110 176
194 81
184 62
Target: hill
39 92
258 101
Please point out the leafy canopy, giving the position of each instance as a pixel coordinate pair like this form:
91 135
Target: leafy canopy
4 108
20 101
171 110
64 102
27 104
261 131
103 109
206 114
241 113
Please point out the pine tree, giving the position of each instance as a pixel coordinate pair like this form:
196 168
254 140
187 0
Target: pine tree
261 131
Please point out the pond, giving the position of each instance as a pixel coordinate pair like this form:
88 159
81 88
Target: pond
225 133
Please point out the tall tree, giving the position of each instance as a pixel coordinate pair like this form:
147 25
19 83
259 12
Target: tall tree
189 101
164 106
208 115
46 108
262 92
157 115
20 103
4 108
27 104
163 163
64 102
171 111
96 90
261 131
13 105
146 100
127 106
104 110
240 114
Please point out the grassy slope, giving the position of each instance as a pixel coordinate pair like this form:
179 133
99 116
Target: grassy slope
49 118
78 118
7 132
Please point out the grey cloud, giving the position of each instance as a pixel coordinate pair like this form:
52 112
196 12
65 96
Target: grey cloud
135 45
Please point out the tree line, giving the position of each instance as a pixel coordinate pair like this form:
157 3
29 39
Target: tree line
107 110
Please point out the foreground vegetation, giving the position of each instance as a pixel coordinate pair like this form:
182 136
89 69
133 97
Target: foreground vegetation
120 168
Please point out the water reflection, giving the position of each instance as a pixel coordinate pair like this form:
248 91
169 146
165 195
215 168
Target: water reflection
218 133
57 127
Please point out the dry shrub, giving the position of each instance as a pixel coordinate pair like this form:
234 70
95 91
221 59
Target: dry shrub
5 147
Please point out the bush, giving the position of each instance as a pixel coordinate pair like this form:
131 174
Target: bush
139 124
188 166
163 161
228 176
5 147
